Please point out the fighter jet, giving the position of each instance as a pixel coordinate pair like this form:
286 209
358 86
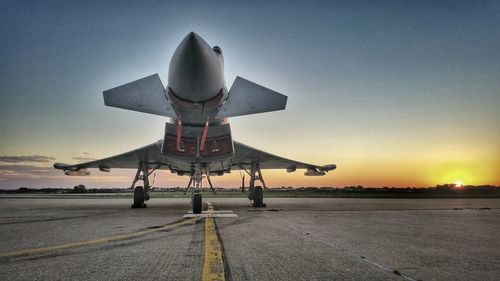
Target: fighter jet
197 141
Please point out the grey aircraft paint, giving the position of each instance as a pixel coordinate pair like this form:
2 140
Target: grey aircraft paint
196 73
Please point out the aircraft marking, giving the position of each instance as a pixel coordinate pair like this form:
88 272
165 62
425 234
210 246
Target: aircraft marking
214 214
211 213
97 241
213 264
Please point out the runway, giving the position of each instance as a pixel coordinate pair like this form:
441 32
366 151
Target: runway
95 238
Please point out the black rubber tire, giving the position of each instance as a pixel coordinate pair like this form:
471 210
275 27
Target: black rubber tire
258 197
138 197
197 203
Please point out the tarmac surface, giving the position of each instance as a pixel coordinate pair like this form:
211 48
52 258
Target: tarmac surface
95 238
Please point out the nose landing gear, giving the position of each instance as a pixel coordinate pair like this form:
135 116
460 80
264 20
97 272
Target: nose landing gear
196 201
196 196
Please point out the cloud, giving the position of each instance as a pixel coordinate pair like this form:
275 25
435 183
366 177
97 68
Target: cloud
30 171
83 159
26 172
82 156
25 167
27 159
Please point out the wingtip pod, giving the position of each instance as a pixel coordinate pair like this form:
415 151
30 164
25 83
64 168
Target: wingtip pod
314 173
72 172
327 168
319 171
60 166
81 172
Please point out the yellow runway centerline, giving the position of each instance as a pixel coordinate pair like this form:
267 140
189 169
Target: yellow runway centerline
213 265
96 241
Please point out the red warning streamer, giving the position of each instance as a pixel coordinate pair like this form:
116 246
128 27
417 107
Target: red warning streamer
204 136
179 132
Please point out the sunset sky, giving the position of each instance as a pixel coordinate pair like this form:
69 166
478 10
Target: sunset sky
396 93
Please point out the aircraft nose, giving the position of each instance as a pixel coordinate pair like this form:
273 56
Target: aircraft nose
193 44
195 71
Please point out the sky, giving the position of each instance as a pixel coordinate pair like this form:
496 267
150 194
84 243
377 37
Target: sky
396 93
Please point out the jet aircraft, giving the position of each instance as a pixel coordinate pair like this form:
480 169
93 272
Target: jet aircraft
197 141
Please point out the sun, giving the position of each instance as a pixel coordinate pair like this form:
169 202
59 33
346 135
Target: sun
458 183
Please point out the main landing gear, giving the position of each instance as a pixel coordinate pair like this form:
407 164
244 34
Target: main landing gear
255 193
196 197
141 193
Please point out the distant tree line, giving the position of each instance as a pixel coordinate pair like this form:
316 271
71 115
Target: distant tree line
447 190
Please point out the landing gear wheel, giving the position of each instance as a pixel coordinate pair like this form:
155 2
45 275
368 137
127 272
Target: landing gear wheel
197 203
258 197
138 198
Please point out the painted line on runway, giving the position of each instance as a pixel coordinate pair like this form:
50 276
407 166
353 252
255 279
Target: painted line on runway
103 240
213 263
214 214
349 252
56 219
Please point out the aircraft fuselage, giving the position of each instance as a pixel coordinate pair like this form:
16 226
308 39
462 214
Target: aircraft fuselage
196 90
197 139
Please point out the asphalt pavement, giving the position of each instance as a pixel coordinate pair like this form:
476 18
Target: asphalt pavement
64 238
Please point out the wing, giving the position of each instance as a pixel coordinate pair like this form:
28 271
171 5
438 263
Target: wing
245 155
150 154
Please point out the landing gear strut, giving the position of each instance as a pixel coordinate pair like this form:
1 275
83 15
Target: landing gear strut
255 193
141 193
196 197
197 177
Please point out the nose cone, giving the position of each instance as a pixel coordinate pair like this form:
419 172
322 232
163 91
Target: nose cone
195 72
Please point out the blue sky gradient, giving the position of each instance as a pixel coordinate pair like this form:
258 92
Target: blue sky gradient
394 92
